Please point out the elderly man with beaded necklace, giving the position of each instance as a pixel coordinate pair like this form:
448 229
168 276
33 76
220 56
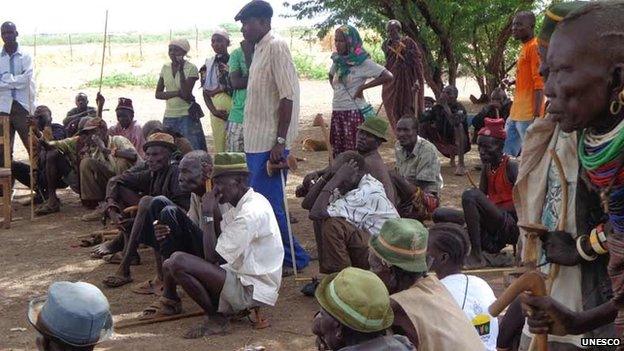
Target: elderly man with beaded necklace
586 91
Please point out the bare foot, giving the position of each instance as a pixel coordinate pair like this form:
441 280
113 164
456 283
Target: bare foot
460 170
107 248
452 161
213 325
474 262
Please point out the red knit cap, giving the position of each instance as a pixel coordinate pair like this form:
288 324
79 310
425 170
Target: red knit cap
495 128
125 104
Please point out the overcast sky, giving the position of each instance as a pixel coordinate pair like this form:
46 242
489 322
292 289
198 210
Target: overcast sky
74 16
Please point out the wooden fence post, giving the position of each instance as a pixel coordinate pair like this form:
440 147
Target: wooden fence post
71 49
197 40
141 45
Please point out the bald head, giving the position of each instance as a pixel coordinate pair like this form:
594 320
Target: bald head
528 16
8 30
8 25
523 26
394 29
588 46
601 23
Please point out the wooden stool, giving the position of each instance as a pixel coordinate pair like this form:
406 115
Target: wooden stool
5 171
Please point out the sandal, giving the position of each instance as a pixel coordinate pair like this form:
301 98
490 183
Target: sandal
161 308
116 258
207 327
149 287
113 281
95 239
46 209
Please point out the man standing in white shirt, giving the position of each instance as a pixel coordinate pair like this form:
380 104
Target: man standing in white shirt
351 206
242 269
17 87
271 114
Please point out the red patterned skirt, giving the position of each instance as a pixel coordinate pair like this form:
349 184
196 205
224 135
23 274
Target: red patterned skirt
343 130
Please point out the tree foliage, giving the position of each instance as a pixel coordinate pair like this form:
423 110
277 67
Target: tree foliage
469 34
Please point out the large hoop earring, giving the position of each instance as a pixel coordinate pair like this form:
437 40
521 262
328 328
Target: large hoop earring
616 105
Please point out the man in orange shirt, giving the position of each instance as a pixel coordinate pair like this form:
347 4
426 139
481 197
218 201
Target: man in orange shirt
528 97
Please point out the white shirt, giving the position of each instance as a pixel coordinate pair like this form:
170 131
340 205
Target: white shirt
474 296
272 77
366 207
16 81
251 243
345 89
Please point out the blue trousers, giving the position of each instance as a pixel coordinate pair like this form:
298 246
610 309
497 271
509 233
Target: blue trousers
271 188
515 136
190 128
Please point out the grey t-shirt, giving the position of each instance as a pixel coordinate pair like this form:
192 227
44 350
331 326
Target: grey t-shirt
357 76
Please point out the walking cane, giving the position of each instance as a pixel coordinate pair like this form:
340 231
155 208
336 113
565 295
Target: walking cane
291 163
103 53
31 157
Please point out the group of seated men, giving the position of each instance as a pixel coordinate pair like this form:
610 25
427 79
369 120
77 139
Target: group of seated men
83 153
214 242
369 193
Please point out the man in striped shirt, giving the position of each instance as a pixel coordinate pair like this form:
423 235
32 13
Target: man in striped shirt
351 206
271 113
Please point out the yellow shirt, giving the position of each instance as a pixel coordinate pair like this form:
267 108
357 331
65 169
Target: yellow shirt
177 107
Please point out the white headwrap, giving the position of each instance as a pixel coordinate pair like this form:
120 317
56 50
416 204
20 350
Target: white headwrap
182 44
222 32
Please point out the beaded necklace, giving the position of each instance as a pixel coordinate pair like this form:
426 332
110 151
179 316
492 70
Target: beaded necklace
602 155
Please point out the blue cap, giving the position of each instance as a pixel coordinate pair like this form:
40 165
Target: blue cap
77 314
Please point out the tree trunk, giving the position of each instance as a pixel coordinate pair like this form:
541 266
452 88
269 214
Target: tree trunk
446 45
493 70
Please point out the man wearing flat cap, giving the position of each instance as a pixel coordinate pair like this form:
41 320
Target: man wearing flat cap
249 244
127 126
271 113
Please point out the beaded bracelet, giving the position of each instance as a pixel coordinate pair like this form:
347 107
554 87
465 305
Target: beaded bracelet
582 253
595 243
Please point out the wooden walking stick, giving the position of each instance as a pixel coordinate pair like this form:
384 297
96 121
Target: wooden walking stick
31 159
290 163
103 52
554 268
472 182
31 156
530 281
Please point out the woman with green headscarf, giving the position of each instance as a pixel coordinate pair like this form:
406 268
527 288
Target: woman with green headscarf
348 76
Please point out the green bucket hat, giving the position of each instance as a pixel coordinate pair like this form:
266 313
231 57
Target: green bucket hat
229 163
357 299
555 14
402 242
376 126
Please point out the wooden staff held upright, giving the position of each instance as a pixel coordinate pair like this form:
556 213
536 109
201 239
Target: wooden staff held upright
103 56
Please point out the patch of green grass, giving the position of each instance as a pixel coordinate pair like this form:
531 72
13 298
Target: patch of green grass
117 80
308 68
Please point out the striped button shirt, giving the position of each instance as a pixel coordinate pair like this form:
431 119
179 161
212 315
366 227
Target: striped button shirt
272 77
366 207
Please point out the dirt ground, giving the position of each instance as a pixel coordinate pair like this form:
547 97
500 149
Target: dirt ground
37 253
